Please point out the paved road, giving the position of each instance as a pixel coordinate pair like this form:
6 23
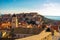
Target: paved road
43 34
56 35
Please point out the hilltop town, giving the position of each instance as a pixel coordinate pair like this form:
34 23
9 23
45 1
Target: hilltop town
26 24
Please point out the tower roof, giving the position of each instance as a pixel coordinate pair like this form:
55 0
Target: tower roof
13 15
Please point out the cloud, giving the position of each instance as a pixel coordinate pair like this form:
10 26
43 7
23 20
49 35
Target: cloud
20 10
52 9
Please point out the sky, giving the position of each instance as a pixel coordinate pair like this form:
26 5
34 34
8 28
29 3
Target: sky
43 7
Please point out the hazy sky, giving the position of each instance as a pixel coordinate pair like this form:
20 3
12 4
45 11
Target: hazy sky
43 7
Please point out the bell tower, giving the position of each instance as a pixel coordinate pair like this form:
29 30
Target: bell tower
14 22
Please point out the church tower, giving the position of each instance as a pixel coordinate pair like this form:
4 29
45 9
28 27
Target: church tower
14 22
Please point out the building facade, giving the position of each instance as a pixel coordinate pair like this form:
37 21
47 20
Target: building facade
14 22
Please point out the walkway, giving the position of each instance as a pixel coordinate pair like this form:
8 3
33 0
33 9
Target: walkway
42 36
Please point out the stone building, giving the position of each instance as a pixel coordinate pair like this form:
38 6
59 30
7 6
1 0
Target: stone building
14 22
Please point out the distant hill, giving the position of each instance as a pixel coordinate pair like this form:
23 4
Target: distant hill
52 19
46 19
